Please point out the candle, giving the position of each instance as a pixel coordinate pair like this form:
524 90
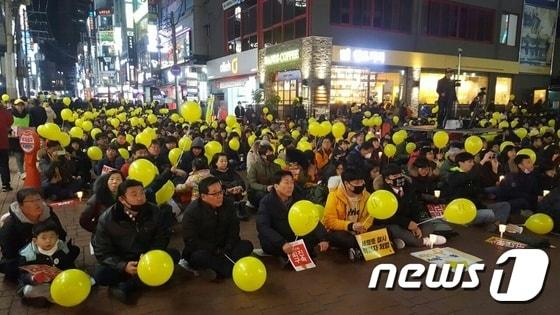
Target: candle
545 192
502 178
502 228
80 194
433 239
437 193
380 154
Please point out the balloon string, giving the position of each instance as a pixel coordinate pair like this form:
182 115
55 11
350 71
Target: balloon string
296 238
429 220
228 258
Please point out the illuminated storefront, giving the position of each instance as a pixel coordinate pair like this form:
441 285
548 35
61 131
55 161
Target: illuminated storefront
233 79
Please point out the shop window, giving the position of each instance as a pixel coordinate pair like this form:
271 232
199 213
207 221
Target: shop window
503 90
241 27
291 25
300 7
471 83
449 19
340 11
289 32
289 8
508 29
249 43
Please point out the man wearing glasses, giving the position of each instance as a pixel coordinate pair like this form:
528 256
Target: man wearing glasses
15 233
211 232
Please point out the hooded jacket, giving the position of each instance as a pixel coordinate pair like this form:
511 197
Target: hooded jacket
16 231
335 218
259 175
118 239
186 160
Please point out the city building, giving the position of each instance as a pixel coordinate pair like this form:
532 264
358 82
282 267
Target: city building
338 52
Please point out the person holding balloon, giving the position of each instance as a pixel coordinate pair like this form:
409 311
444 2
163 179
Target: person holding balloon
196 151
111 160
211 232
273 227
404 225
57 173
45 249
463 182
346 214
127 230
137 151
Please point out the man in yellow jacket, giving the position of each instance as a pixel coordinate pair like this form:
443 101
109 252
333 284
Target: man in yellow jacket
346 214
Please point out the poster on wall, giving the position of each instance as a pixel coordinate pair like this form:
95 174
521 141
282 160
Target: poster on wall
538 32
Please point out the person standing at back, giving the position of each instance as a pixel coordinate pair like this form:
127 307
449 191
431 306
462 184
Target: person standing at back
6 121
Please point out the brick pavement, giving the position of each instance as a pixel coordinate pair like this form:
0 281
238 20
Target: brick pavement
334 287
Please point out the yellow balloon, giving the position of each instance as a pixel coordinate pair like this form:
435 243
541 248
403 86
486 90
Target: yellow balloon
249 274
280 163
155 267
382 204
269 117
165 193
435 109
441 138
496 116
94 153
51 131
251 139
338 129
212 148
325 128
377 121
514 123
70 287
230 120
314 129
174 155
265 110
540 223
87 125
473 144
144 138
63 139
460 211
185 143
124 153
304 146
234 144
143 171
399 137
528 152
67 101
129 138
552 123
503 124
152 119
319 211
115 122
5 98
410 147
367 114
95 132
396 120
390 150
301 218
296 134
76 132
66 114
521 133
191 111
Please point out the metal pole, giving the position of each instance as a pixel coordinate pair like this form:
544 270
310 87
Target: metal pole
25 60
460 55
174 44
9 55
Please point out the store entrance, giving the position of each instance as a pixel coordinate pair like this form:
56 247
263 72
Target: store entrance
287 91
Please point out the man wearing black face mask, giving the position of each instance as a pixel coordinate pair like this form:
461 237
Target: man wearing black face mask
260 175
125 231
346 214
403 226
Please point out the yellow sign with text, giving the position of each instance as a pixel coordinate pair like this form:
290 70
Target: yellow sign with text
375 244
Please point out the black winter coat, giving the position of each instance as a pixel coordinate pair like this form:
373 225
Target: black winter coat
409 208
214 230
118 239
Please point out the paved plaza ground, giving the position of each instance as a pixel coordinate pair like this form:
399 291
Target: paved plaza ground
336 286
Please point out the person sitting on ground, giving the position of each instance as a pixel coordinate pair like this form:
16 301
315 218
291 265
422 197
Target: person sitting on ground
44 249
346 214
211 232
160 161
548 178
137 151
521 189
57 173
110 161
425 183
335 179
274 232
233 183
259 176
104 196
16 231
360 157
462 182
196 151
324 154
199 172
125 231
404 225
